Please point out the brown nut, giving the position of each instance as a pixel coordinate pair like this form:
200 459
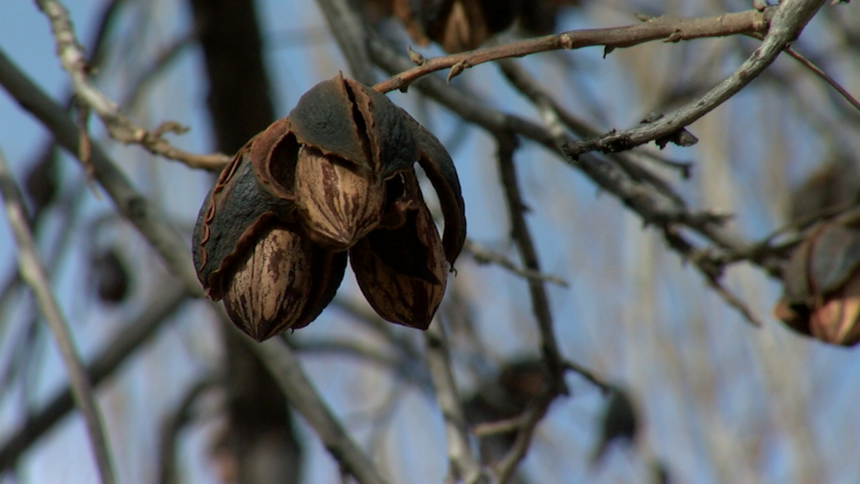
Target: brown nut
340 203
267 291
230 222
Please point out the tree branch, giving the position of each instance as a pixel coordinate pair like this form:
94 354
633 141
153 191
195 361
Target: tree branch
33 274
668 29
131 204
287 371
132 337
483 255
464 465
118 125
787 23
651 205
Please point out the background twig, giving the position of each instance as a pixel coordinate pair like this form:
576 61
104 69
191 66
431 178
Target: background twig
33 274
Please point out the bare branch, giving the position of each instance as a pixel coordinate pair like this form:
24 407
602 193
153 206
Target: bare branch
525 244
786 25
287 372
118 351
118 125
464 465
668 29
540 307
33 274
652 206
483 255
131 204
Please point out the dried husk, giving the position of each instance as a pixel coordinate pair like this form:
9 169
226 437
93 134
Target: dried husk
268 290
273 154
402 272
339 202
230 222
439 168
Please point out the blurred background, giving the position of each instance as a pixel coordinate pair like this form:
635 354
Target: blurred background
716 400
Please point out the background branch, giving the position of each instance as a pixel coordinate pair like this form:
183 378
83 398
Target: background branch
668 29
118 125
111 358
287 371
131 204
33 274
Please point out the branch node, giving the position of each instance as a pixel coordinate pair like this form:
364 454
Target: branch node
415 57
674 37
456 69
565 41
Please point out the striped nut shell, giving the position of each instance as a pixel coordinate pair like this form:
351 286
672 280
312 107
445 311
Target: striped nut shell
269 288
339 201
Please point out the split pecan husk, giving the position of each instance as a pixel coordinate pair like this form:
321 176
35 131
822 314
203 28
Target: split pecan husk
335 177
402 271
822 286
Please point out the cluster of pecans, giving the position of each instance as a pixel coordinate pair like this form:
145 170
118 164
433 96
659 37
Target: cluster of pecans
333 180
460 25
822 285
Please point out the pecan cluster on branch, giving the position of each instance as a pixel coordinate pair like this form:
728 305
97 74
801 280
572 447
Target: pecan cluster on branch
335 177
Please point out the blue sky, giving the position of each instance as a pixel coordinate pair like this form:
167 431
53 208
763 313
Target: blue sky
632 311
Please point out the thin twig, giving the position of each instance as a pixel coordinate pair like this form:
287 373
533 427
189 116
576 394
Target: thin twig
818 72
787 23
530 420
33 274
505 426
711 270
540 307
589 375
117 352
464 464
556 117
288 374
129 202
483 255
525 245
118 125
668 29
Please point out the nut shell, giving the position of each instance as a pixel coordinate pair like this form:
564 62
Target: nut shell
339 203
267 291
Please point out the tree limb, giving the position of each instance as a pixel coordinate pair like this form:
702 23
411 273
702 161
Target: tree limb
287 371
131 338
118 125
464 465
131 204
669 29
33 274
